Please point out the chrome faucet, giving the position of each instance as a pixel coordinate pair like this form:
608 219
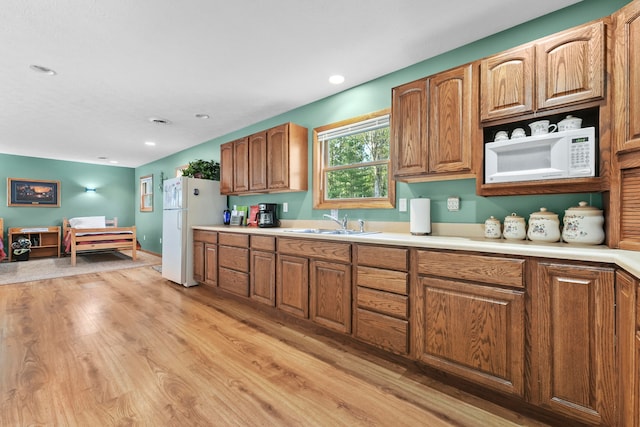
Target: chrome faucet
342 224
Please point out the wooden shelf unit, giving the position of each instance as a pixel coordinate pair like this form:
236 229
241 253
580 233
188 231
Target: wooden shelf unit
45 241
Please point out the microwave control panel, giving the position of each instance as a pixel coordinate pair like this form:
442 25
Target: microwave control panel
580 161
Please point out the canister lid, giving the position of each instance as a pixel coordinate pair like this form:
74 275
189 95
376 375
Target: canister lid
544 213
583 208
513 217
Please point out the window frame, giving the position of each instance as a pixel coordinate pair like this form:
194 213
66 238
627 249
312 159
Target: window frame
319 201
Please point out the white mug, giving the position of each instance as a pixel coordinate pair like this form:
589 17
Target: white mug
541 127
518 133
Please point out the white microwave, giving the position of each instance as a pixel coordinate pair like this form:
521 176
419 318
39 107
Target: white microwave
557 155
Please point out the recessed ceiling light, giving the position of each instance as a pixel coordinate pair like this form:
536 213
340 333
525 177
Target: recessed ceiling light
102 158
336 79
159 121
202 116
43 70
150 143
113 162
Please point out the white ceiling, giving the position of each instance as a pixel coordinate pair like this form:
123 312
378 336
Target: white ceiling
121 62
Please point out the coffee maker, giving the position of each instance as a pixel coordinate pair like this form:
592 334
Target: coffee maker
267 216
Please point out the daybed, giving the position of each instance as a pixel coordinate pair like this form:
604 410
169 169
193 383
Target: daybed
85 234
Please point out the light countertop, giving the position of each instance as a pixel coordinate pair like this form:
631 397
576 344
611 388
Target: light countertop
628 260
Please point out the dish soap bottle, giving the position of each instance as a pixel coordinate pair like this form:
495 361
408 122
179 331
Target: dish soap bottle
226 217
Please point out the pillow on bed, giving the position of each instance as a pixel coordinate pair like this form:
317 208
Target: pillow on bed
88 222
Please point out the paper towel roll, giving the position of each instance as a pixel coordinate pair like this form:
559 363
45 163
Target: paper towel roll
420 216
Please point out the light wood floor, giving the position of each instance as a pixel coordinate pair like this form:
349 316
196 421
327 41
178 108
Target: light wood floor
129 348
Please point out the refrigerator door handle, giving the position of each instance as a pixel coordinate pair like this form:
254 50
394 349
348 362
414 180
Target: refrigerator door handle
179 221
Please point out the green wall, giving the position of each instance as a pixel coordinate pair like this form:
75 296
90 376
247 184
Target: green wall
113 196
376 95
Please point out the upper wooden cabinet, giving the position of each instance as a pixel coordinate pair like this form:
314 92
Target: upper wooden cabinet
562 69
626 78
234 166
226 168
432 125
276 161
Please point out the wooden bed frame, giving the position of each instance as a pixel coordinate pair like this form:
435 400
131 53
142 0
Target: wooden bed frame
111 237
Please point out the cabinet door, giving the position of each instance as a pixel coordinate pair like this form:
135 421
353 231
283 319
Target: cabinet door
258 161
211 264
450 120
626 332
263 277
226 168
626 77
473 331
198 261
278 157
636 374
292 285
570 66
330 300
409 129
507 83
572 337
241 165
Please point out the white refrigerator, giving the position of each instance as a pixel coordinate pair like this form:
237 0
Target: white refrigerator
186 202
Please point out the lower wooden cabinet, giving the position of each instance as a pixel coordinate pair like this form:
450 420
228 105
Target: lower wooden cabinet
263 270
626 331
292 285
233 263
330 297
205 257
473 331
636 374
573 341
198 261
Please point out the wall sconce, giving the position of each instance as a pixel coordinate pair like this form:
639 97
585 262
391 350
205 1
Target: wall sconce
90 189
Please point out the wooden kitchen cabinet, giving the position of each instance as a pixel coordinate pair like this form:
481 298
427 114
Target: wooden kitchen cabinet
627 319
432 122
562 69
409 129
626 77
381 301
258 161
205 257
330 295
572 331
314 280
274 160
233 263
235 177
466 323
263 270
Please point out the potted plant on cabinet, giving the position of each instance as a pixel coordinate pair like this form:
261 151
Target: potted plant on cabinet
205 169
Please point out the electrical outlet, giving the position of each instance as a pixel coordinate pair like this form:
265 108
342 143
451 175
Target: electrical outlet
285 207
402 205
453 204
334 213
161 240
144 237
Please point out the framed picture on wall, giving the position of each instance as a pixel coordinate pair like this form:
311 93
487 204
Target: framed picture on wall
33 193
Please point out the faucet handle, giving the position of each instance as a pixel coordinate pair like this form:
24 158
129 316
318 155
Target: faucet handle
361 223
345 222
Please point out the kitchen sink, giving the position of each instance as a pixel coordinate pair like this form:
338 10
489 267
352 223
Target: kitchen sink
334 232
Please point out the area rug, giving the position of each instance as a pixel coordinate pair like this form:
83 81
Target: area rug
50 268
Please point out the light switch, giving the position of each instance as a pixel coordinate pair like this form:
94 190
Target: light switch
402 205
285 207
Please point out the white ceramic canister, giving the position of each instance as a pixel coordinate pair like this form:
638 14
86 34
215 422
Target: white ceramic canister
583 224
544 226
492 228
569 123
514 227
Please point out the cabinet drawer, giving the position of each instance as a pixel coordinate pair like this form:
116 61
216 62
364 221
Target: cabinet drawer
383 302
233 239
384 280
383 331
234 281
383 257
233 258
263 243
205 236
479 268
316 249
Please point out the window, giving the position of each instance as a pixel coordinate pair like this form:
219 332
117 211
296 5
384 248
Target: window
146 193
352 165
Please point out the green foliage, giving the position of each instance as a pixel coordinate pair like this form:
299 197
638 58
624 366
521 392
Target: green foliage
368 155
203 169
